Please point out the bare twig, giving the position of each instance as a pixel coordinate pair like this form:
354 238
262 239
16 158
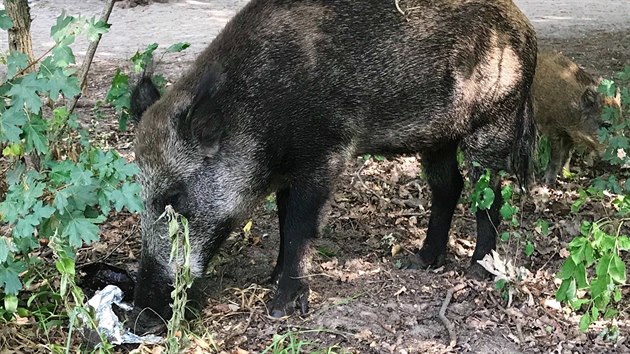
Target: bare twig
366 186
105 257
514 316
314 275
442 314
35 61
89 56
398 7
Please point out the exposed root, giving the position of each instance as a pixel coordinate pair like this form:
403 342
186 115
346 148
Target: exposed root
442 314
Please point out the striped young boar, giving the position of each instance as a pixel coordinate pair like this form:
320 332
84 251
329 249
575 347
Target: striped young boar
568 108
289 91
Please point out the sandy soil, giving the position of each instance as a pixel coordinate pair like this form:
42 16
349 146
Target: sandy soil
360 300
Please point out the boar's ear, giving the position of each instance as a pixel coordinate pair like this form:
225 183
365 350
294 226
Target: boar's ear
143 95
589 100
204 120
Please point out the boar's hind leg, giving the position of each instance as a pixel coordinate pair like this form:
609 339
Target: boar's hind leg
446 185
282 198
305 200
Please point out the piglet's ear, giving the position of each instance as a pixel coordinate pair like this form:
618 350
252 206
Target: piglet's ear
143 96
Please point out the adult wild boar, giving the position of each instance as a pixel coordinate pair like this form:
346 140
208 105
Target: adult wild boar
290 90
568 108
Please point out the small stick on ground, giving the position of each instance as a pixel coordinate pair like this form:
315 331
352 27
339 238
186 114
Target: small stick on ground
514 317
442 314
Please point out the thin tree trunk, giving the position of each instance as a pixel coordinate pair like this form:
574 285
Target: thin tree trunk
20 34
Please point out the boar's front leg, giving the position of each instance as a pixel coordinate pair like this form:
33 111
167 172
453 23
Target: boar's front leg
282 198
446 185
301 204
560 148
487 224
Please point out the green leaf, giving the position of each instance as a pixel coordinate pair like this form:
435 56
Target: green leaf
542 226
10 280
94 29
61 201
561 293
571 290
379 158
506 211
42 211
529 248
585 321
81 229
16 61
5 20
617 269
35 135
125 169
580 276
594 313
62 83
505 236
607 87
59 31
567 270
61 57
610 314
24 92
142 59
623 242
177 47
13 150
617 294
129 198
6 247
81 177
604 265
11 122
66 266
10 303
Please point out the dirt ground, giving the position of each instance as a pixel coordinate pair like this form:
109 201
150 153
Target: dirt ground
360 300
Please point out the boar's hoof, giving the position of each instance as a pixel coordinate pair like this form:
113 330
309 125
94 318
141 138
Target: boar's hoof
477 271
283 305
424 259
550 180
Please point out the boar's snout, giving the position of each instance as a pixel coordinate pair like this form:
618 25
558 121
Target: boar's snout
152 297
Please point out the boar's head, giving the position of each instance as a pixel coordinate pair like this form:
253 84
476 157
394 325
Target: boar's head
186 160
592 105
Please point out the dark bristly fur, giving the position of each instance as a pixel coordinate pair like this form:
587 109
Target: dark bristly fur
290 90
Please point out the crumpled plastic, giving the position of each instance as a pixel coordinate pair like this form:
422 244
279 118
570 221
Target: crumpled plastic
109 324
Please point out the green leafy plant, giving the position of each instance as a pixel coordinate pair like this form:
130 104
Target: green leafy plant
593 274
59 183
594 250
290 343
180 255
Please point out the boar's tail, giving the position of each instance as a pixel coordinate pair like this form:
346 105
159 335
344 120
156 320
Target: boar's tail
522 159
